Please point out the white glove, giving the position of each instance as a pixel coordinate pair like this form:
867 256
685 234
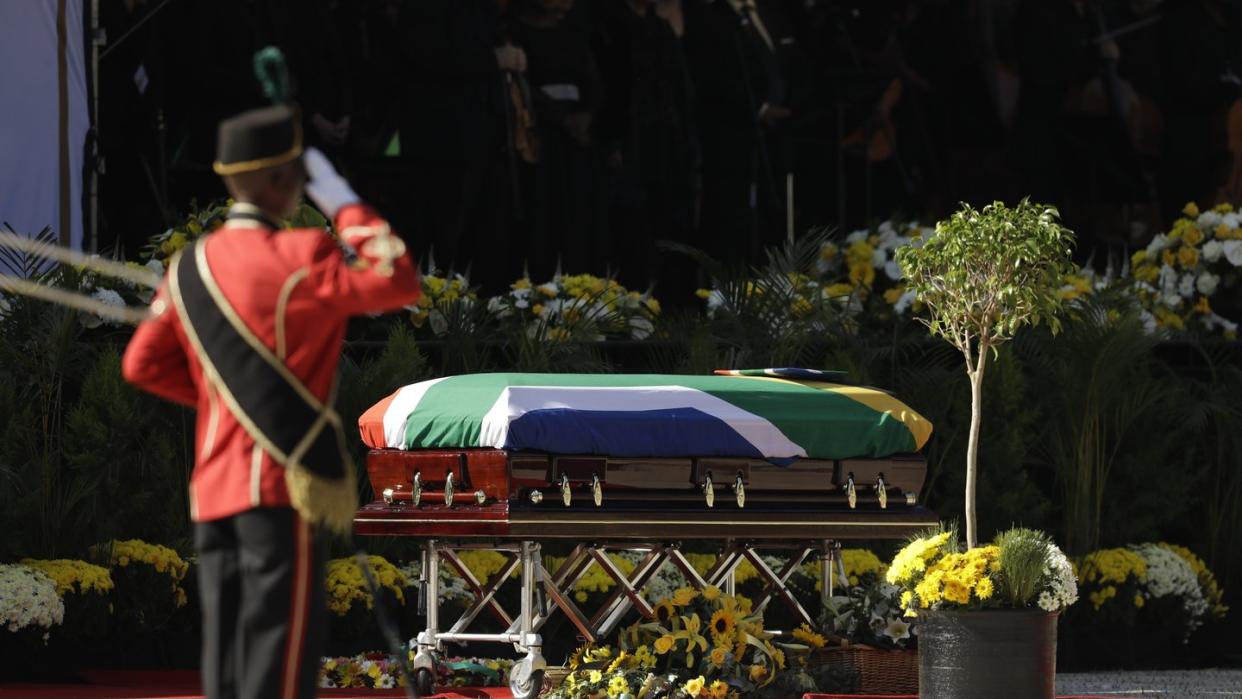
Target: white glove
326 187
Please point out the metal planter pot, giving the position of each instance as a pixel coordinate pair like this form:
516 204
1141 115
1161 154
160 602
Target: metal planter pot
985 654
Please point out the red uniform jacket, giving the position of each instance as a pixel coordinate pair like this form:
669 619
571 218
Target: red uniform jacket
295 291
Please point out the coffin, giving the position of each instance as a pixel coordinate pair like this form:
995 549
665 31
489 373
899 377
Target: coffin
777 455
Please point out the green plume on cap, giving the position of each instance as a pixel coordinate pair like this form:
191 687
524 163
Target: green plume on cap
273 74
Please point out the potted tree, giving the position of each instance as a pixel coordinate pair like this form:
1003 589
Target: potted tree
988 614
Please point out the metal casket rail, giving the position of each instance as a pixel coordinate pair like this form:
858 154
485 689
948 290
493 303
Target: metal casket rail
494 493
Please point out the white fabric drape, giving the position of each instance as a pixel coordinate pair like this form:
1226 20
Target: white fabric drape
30 117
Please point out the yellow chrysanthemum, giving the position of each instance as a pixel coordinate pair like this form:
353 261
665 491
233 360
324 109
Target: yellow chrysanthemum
617 686
684 595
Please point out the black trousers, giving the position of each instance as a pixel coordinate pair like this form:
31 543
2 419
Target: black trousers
261 583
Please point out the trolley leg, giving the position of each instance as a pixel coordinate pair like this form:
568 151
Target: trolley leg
427 643
526 676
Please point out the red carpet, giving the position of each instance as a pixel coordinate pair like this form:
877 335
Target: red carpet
105 684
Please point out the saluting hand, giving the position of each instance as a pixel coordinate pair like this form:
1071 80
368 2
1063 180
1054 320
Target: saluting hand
326 187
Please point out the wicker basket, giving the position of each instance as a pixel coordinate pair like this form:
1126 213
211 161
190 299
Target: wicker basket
879 671
553 676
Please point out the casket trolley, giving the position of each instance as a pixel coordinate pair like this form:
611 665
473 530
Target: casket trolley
781 460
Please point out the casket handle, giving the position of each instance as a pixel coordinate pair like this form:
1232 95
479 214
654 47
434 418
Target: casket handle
739 489
448 489
567 493
597 490
881 491
416 495
851 494
709 490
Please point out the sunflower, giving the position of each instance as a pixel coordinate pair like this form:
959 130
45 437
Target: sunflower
665 611
722 624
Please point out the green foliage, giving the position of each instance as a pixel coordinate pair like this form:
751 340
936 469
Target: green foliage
773 314
1023 556
985 274
1105 404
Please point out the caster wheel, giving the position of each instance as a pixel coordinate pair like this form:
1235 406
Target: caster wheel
523 683
424 682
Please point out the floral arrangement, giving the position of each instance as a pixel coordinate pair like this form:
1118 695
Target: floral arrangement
382 671
74 577
864 265
1109 574
200 221
1170 576
161 559
1211 590
445 298
1178 273
1021 569
576 307
870 613
28 600
1154 585
699 644
345 584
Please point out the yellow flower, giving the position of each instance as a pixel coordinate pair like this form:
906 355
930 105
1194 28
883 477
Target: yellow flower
984 588
653 306
837 291
893 295
1138 258
1193 236
617 686
703 293
664 611
722 624
718 690
1188 256
718 656
757 672
664 644
684 595
711 593
595 676
523 283
805 634
694 686
1139 601
1191 209
778 655
1202 306
1146 273
1169 258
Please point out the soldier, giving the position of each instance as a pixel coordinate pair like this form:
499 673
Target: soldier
247 329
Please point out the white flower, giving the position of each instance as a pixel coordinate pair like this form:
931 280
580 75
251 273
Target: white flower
28 599
1212 251
1171 299
903 303
1186 287
1061 587
1168 574
1158 243
857 236
5 306
1149 321
1168 280
439 324
1230 219
550 289
640 328
1209 220
893 270
878 258
497 307
521 304
156 267
109 297
897 630
1206 283
1233 252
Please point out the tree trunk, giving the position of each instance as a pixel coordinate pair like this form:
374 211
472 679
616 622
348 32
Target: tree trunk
972 444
